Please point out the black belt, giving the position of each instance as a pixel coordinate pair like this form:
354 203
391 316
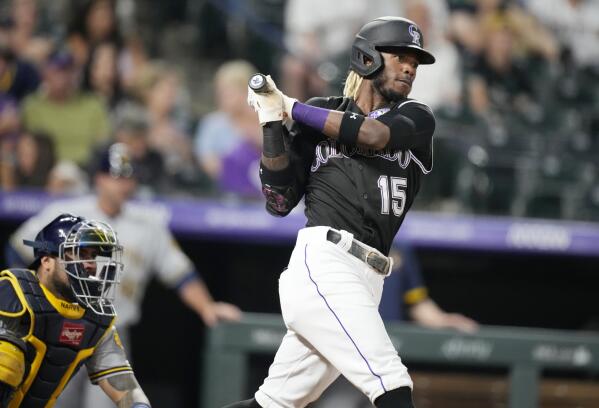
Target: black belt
377 261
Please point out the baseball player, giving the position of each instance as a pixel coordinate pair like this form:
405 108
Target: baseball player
59 314
358 160
150 250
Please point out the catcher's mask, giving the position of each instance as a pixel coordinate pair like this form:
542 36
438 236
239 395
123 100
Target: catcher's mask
91 255
386 33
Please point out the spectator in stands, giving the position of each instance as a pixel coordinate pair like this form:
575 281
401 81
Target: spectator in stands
67 179
27 40
9 132
73 119
531 39
18 78
575 23
133 60
317 42
151 252
131 128
227 140
240 171
10 120
93 22
498 81
439 85
159 88
33 160
101 74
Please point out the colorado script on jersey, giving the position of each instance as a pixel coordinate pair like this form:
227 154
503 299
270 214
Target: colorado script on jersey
331 149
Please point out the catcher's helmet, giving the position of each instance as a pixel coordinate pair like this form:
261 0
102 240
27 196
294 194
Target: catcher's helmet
48 240
382 33
90 253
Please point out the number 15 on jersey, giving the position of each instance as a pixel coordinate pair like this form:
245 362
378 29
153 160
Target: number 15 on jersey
393 194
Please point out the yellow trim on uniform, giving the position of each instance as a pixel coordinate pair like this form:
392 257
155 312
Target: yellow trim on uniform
15 284
415 295
12 364
66 309
83 354
117 340
39 346
40 349
100 374
12 314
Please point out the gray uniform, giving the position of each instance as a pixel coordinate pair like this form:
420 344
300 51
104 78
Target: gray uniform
149 250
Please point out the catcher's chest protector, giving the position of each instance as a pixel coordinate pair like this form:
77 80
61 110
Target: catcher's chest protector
57 345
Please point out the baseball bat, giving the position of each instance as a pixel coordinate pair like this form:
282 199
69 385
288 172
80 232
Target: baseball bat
258 83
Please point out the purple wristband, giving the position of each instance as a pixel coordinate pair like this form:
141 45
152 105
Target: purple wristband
310 115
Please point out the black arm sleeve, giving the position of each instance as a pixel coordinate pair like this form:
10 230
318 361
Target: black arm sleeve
285 188
412 127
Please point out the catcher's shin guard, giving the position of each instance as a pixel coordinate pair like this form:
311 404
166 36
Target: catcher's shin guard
251 403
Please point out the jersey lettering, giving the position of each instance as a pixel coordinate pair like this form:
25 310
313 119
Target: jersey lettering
328 149
393 196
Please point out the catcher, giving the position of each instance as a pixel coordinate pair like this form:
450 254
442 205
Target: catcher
58 314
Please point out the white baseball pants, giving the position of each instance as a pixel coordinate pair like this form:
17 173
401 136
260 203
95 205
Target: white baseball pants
329 301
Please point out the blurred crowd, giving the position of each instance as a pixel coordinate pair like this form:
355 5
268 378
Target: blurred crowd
515 91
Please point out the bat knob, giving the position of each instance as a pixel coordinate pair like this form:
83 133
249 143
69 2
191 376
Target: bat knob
258 83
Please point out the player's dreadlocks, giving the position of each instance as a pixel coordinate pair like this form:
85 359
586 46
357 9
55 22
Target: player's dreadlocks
352 84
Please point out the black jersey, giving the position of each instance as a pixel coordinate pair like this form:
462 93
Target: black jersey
363 191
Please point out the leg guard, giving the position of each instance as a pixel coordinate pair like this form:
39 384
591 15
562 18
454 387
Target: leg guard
398 398
251 403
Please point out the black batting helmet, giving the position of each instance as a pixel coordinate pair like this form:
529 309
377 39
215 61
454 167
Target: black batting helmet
386 32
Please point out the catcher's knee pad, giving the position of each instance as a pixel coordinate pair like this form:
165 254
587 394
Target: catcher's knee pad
398 398
251 403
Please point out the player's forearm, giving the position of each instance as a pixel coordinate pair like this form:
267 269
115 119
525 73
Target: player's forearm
427 313
134 399
276 175
196 296
125 391
274 155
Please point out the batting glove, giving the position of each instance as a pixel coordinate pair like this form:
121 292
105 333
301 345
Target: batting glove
287 101
269 106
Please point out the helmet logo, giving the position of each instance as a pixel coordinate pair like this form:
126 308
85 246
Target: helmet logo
413 30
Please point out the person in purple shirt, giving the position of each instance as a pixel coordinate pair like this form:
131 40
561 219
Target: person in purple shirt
239 173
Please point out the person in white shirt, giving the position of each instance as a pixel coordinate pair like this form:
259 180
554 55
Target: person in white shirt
150 250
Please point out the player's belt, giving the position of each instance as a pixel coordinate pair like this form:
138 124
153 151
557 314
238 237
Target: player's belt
377 261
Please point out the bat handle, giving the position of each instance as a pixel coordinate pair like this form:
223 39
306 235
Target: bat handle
258 83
